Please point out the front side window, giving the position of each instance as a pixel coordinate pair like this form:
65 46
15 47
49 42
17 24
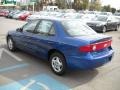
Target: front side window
101 18
44 27
30 26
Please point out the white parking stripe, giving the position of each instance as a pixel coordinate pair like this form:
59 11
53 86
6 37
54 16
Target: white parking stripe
43 85
9 53
28 85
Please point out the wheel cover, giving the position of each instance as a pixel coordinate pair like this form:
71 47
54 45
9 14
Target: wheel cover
10 44
57 64
104 29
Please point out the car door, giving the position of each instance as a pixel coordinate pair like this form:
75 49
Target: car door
109 23
24 37
45 38
114 23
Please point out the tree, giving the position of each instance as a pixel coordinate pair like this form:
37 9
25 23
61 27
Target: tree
118 10
106 8
77 4
61 4
95 5
85 4
113 10
69 3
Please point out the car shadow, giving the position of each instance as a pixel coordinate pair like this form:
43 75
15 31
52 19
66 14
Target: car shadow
77 77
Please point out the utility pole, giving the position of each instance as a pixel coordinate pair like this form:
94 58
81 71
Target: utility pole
27 2
33 7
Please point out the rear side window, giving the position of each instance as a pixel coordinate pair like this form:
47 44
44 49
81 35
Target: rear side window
52 31
76 28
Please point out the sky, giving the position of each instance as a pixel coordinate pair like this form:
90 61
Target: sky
113 3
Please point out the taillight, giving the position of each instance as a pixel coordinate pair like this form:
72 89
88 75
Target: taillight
95 46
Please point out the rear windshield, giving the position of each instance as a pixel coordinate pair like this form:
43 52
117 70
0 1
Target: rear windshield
76 28
101 18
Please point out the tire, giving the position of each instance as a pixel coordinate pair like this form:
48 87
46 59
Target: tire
58 63
117 28
11 44
104 29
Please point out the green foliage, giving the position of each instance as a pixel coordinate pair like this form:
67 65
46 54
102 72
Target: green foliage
118 10
61 4
96 5
113 10
80 4
85 4
108 9
77 5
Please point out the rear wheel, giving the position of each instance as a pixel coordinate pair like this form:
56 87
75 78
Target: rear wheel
58 63
11 44
104 29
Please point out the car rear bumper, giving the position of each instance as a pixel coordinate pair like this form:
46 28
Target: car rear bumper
89 63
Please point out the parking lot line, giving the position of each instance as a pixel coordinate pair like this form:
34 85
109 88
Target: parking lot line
39 82
13 67
28 85
11 54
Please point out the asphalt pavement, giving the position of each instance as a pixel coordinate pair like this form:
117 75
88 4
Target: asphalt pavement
22 71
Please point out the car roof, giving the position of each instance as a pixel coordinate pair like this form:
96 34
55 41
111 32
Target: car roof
57 19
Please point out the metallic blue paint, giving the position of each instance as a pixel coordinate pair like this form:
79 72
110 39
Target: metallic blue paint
69 46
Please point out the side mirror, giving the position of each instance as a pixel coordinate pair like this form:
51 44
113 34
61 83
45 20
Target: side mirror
19 29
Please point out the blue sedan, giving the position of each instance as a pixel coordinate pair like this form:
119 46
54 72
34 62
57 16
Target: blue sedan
65 43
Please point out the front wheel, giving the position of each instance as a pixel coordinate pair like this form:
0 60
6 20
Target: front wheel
58 63
117 28
104 29
11 44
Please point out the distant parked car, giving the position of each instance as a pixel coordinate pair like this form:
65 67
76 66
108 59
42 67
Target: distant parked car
41 14
103 23
117 16
88 17
4 12
12 13
105 13
72 15
17 16
34 16
24 15
62 42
